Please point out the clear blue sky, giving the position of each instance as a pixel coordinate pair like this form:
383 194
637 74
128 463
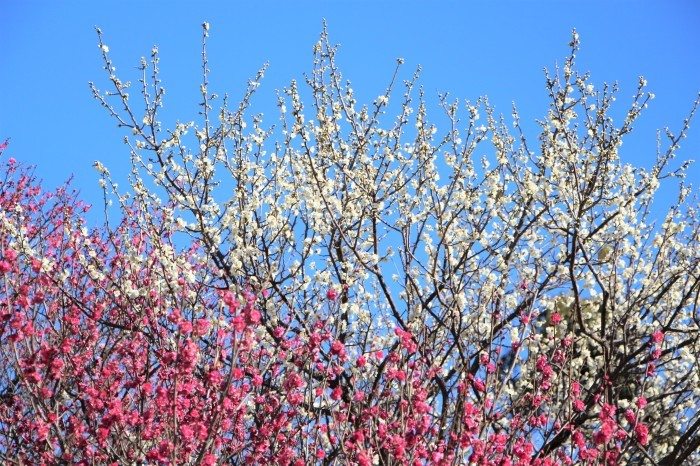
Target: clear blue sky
48 54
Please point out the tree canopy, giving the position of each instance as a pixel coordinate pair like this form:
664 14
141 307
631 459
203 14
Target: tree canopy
355 285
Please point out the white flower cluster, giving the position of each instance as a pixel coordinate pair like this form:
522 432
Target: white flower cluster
411 232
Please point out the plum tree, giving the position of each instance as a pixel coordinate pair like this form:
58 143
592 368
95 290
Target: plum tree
354 288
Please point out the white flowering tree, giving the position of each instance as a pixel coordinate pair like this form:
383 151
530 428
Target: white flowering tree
358 286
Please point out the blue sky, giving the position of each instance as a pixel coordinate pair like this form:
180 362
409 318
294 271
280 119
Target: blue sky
49 53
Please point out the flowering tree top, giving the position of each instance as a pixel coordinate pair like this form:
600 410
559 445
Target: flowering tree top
355 285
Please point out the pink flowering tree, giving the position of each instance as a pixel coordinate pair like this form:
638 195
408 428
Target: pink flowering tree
354 287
